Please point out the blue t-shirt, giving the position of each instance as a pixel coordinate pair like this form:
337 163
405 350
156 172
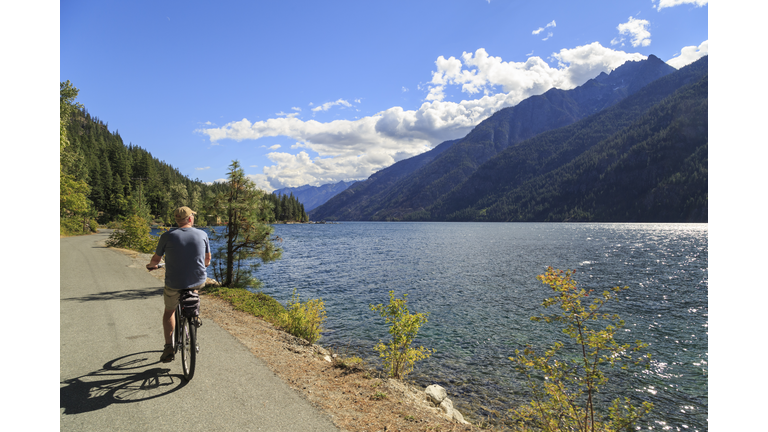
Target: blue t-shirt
184 250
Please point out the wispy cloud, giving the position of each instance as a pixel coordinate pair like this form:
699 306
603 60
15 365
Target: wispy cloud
637 29
328 105
663 4
541 29
203 168
355 149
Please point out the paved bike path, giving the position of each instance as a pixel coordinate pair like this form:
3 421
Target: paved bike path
110 375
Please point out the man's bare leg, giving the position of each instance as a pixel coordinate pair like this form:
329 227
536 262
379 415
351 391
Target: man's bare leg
168 325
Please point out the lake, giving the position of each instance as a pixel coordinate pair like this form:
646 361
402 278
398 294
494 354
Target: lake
478 283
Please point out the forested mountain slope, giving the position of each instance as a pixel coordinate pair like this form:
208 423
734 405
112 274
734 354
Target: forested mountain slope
409 194
644 159
119 174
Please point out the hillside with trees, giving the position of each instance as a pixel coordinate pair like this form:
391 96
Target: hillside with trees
614 167
104 180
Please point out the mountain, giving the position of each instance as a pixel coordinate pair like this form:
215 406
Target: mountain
361 193
406 191
313 196
642 160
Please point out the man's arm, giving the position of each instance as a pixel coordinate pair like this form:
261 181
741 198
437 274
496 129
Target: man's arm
154 262
207 259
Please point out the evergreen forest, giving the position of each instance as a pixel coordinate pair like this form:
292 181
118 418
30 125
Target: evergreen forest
103 180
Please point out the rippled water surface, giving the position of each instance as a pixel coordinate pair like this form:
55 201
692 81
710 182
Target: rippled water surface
478 282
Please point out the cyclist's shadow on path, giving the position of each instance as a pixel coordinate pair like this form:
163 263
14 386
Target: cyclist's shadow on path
131 378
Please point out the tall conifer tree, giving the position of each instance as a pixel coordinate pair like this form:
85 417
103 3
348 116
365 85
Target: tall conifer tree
247 239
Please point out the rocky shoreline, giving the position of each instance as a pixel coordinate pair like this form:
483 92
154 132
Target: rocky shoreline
357 399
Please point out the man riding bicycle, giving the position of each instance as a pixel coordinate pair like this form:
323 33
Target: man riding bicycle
187 253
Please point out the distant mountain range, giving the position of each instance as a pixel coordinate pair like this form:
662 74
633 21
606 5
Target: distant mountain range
313 196
626 146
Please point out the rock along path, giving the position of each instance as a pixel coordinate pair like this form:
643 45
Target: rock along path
110 344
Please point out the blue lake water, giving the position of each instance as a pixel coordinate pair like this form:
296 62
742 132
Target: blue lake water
478 282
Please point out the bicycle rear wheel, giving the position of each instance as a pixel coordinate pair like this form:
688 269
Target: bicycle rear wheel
188 348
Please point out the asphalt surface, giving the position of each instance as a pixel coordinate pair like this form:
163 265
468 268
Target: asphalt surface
110 345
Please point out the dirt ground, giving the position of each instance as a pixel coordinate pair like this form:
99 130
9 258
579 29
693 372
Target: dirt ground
356 399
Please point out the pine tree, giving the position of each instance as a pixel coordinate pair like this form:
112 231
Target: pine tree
246 212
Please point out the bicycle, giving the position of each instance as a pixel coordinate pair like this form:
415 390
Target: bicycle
185 337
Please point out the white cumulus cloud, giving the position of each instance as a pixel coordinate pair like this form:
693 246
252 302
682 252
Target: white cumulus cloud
671 3
480 72
689 55
355 149
637 29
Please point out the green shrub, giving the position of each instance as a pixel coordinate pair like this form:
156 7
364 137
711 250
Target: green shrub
134 235
69 226
115 224
564 385
399 357
305 320
302 320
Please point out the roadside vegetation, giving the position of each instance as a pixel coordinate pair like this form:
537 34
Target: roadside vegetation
399 357
133 234
303 320
565 379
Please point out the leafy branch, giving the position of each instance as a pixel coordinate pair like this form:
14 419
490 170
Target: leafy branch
565 385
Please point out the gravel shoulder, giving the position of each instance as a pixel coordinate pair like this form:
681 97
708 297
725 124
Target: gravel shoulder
356 399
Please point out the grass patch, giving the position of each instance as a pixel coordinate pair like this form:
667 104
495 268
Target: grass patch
256 304
379 396
352 362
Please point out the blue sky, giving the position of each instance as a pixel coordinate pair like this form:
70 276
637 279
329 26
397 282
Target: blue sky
308 92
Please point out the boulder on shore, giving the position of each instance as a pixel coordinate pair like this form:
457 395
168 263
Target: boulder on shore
439 398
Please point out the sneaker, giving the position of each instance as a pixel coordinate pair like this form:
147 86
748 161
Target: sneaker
167 355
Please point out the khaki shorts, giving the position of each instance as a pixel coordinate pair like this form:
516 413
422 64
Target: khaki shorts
171 296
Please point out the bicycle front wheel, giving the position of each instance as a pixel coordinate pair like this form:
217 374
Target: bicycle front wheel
188 348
